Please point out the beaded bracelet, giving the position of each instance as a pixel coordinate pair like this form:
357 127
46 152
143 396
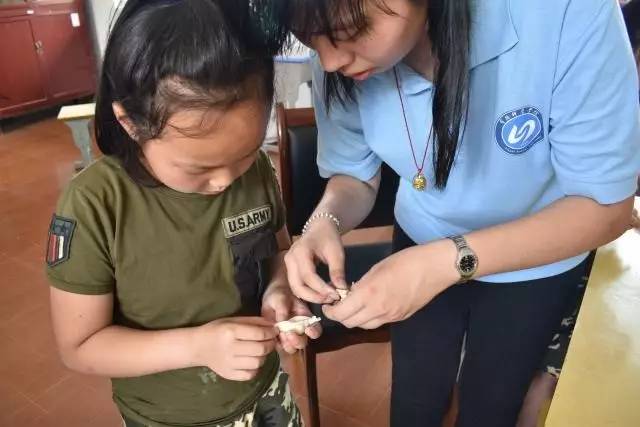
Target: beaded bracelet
319 215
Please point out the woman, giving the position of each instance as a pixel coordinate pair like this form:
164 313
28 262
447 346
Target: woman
544 383
514 128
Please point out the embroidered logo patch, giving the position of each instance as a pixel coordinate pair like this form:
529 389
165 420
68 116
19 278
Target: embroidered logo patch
60 234
519 130
247 221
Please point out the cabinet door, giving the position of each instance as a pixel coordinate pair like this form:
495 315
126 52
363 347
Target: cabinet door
66 53
21 81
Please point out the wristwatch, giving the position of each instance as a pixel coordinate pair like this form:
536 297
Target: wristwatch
467 261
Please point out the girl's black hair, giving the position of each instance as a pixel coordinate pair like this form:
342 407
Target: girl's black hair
449 30
167 55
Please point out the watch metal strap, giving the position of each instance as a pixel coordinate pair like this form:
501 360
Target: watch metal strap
460 242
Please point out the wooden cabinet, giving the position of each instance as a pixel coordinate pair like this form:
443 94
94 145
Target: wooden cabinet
21 83
46 56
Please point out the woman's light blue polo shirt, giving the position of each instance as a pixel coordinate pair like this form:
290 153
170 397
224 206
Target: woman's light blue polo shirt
553 112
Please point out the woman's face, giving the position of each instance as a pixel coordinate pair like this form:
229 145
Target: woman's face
388 39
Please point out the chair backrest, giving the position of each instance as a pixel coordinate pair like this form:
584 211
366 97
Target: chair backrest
302 185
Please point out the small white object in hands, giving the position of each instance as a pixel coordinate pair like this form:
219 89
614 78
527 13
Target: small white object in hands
342 293
297 324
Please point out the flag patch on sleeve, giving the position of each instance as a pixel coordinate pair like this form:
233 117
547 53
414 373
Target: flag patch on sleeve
60 234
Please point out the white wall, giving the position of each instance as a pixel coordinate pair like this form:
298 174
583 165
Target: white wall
100 15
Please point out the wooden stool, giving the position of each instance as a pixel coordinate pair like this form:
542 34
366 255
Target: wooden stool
79 118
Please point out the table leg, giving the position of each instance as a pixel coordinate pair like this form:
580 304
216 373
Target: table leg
82 139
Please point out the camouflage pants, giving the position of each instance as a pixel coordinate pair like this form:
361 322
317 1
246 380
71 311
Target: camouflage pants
557 350
275 408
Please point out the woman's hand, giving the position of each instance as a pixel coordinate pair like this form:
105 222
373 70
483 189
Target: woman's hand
321 242
279 304
398 286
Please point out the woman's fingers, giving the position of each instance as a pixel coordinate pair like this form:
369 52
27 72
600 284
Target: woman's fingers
297 284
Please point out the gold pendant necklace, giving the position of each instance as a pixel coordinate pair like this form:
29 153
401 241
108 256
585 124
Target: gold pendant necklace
419 180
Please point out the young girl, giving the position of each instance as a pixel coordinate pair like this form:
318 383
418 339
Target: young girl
165 256
514 128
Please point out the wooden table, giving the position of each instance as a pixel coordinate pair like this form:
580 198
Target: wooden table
600 381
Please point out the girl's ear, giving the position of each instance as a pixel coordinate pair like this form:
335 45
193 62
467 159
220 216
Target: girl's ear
123 119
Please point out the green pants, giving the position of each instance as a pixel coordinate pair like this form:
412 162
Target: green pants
275 408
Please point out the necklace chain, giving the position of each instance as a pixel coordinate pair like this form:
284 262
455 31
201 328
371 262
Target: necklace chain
419 167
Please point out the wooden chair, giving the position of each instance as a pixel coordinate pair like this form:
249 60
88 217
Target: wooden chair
302 188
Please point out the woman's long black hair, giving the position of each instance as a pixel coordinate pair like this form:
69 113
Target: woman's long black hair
449 30
167 55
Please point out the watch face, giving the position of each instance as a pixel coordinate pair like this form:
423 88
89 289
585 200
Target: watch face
468 264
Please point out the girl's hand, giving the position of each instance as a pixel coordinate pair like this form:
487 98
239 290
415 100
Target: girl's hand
321 242
398 286
234 348
279 304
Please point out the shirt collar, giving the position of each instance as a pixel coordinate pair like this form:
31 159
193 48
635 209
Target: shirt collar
492 34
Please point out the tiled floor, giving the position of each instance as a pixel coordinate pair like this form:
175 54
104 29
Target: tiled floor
36 161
